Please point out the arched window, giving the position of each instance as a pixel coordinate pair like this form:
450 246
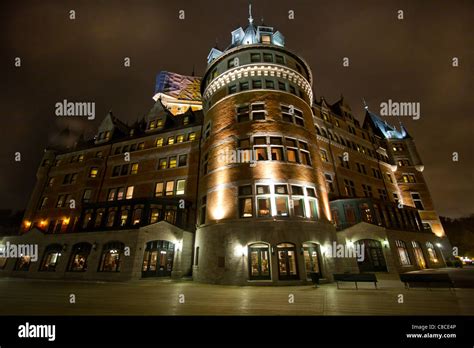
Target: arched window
420 258
111 257
51 256
403 253
259 261
23 263
431 252
79 255
287 265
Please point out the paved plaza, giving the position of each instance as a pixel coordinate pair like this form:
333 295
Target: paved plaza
167 297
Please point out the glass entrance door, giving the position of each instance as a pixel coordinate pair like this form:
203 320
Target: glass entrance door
374 261
311 259
158 259
287 266
259 261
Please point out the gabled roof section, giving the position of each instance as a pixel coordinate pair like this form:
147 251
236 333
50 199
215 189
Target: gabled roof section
382 128
158 111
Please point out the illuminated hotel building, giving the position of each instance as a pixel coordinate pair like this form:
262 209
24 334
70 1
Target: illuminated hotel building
240 177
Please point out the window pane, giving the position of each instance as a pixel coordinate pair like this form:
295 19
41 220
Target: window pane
169 188
180 186
261 153
129 192
298 207
277 153
159 189
263 189
263 206
282 206
292 156
246 207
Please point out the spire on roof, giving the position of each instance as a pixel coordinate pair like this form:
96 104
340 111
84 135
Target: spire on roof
250 14
366 107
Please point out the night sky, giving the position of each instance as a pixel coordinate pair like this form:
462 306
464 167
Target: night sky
82 60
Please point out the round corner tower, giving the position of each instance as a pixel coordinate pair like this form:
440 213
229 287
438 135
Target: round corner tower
263 206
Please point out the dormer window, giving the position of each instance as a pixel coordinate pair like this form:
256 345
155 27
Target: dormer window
152 124
185 120
107 135
266 39
159 123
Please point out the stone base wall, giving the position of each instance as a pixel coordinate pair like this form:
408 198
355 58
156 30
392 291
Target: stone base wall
130 266
223 250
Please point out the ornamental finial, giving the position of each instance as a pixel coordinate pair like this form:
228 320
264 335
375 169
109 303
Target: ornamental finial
250 14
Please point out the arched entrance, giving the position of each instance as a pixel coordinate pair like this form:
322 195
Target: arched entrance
158 259
312 259
373 261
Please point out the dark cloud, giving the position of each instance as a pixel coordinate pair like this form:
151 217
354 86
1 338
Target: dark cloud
82 60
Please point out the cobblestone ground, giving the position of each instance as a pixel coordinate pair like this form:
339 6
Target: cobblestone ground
162 297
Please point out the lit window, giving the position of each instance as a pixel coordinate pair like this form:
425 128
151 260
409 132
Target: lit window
180 187
134 169
80 253
245 201
266 39
324 155
180 138
112 193
154 215
170 141
111 257
191 136
158 189
159 142
172 162
120 193
163 163
403 253
123 217
169 188
129 192
93 172
292 155
431 252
